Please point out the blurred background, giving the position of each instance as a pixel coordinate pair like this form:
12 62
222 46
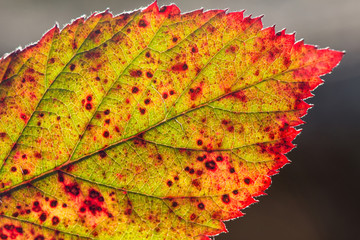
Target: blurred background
316 197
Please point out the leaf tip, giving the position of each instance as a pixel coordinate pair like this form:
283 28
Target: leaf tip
153 6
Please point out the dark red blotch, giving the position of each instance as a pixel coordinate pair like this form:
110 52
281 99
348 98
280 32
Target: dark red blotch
225 198
36 206
180 67
53 203
194 92
55 220
93 203
143 23
72 189
210 165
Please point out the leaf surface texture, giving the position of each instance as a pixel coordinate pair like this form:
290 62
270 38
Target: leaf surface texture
148 125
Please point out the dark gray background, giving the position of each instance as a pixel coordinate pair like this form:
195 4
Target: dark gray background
317 196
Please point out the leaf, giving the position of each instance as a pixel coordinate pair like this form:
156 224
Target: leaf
151 124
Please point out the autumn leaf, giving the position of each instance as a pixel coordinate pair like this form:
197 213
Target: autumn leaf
148 125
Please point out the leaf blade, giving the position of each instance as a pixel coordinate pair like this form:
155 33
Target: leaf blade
210 122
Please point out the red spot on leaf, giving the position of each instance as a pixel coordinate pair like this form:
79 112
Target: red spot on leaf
247 181
143 23
9 227
106 134
19 230
225 198
196 182
94 209
149 74
73 189
136 73
239 95
43 217
194 49
23 117
55 220
102 154
201 206
147 101
180 67
201 158
128 211
53 203
88 106
135 90
36 206
194 92
287 61
25 172
93 54
210 165
93 193
142 111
